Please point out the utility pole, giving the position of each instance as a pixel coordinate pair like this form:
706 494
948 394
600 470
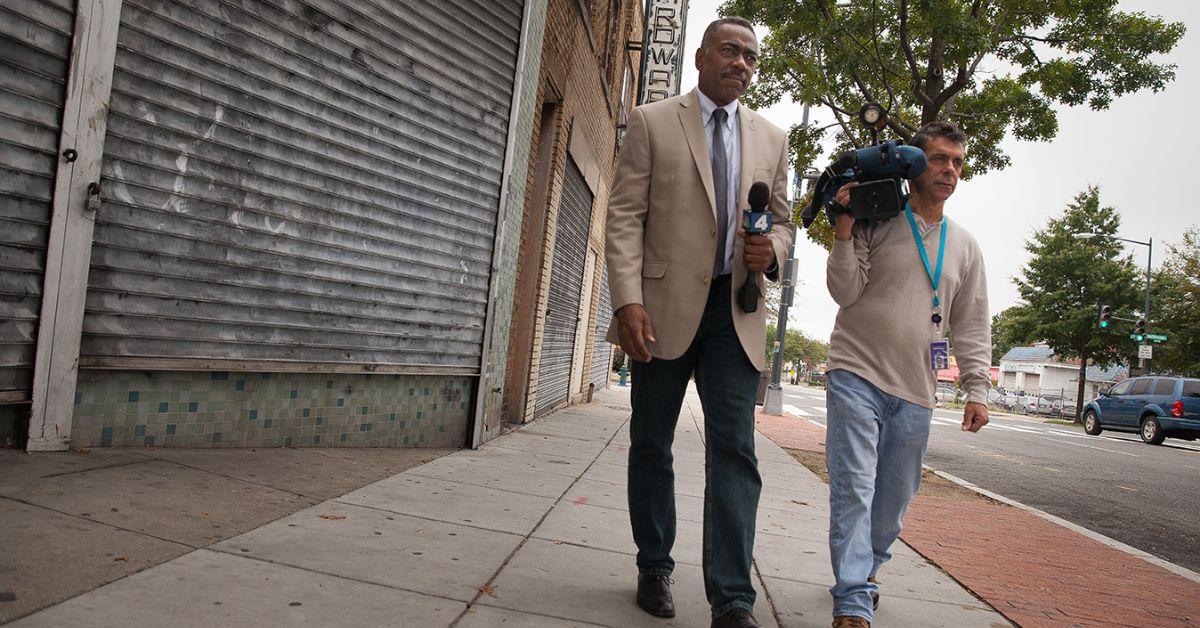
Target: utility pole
773 401
1144 324
1149 252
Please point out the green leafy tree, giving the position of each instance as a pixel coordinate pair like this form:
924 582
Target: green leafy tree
1066 278
1175 308
797 347
1007 326
995 67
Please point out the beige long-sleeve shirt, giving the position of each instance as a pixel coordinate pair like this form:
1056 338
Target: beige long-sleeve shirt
883 327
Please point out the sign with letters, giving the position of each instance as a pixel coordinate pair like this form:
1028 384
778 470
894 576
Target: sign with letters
662 50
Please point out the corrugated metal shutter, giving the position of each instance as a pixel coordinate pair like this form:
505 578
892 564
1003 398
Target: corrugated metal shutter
566 281
35 50
302 181
602 350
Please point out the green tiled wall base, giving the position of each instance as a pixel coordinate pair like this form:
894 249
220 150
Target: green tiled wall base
181 409
13 419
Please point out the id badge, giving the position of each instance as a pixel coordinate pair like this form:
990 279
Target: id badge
939 355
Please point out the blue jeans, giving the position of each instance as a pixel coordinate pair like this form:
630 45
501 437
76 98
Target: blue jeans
873 448
727 383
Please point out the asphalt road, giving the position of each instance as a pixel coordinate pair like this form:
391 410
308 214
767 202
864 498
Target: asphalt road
1142 495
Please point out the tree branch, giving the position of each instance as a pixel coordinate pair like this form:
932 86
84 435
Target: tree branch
906 45
960 81
883 69
904 131
965 71
933 80
969 116
828 102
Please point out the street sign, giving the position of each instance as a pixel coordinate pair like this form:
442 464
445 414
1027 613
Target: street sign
1156 337
1145 351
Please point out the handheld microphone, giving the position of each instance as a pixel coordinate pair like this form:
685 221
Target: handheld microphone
755 220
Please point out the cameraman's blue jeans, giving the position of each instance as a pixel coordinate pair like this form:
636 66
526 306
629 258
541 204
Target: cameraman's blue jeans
874 447
727 383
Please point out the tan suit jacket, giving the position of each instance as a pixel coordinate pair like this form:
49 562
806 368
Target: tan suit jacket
661 231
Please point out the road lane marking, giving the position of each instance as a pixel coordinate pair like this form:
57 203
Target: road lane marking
820 425
795 411
1112 451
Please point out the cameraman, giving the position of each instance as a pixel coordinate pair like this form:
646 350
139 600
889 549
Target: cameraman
900 295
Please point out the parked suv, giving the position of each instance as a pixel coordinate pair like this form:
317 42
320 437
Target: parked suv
1155 407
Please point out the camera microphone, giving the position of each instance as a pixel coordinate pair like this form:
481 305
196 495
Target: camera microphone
756 220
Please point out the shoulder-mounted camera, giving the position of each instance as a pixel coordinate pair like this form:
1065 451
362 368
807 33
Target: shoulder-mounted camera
881 171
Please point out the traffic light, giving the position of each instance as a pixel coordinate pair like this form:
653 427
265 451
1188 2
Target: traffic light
1139 330
1104 313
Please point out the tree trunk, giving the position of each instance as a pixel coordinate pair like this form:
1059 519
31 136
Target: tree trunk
1083 359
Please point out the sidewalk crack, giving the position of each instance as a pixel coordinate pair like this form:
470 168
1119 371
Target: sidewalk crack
146 458
492 580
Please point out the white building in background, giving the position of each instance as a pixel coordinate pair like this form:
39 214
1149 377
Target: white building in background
1037 371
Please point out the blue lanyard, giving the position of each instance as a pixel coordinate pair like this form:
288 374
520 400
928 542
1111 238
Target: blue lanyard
934 276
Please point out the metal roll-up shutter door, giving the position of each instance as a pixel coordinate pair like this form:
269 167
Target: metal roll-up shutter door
602 350
310 182
35 50
566 281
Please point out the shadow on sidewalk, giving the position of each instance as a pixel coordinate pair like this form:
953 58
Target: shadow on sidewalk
531 530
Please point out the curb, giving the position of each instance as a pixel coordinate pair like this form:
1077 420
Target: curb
1096 536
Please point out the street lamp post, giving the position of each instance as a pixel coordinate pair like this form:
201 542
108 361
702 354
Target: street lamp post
1149 253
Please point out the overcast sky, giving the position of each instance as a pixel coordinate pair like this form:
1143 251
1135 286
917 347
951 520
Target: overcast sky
1141 152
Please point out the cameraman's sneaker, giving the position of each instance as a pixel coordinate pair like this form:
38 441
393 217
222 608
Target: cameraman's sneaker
850 621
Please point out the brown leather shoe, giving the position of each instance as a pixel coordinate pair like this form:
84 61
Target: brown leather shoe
875 595
736 618
654 595
850 621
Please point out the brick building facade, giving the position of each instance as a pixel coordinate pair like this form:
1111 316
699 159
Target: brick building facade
585 90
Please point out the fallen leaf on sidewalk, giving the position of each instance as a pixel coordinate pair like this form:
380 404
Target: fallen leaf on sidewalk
203 514
558 542
796 501
123 559
488 589
579 501
333 517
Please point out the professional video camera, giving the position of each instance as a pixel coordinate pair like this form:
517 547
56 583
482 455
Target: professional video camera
880 171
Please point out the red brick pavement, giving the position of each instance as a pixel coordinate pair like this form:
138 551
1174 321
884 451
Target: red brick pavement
1037 573
791 432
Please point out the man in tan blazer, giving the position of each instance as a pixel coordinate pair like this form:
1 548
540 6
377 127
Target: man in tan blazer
676 258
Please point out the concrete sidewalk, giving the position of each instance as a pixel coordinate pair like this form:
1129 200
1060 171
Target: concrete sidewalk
529 531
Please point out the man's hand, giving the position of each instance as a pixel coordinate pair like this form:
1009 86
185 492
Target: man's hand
635 331
843 228
975 416
758 252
